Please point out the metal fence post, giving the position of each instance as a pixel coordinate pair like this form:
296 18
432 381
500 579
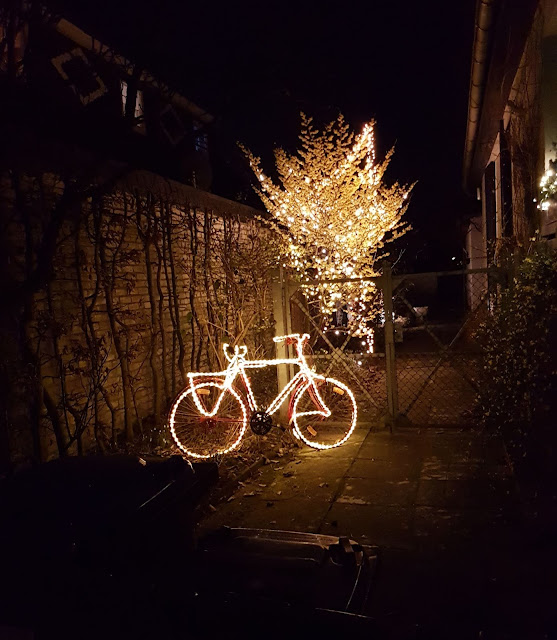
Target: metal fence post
390 363
281 314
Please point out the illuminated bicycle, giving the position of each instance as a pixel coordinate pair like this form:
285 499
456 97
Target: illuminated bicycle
210 417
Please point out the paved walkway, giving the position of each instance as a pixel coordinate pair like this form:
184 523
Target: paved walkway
456 558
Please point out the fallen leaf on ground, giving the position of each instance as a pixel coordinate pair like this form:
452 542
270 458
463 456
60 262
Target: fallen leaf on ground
249 495
213 509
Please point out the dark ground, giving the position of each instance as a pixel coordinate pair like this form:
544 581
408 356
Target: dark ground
460 555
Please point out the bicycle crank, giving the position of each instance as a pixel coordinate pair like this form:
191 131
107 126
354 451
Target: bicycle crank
261 423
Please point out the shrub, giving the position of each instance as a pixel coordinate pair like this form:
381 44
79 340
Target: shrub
518 372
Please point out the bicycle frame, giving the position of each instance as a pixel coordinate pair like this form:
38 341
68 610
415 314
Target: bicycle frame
237 367
305 381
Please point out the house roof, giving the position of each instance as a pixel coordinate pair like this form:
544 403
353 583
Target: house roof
69 30
500 34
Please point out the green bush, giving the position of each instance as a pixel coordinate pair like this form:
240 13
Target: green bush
518 338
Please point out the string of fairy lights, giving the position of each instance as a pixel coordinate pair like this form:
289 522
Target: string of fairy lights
334 213
548 188
223 382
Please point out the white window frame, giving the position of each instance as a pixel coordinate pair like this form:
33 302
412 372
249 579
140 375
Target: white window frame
138 111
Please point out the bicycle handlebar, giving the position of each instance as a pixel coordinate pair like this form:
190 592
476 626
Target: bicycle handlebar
238 351
292 337
241 352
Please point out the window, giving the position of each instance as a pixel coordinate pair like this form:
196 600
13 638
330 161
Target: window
138 112
75 69
200 140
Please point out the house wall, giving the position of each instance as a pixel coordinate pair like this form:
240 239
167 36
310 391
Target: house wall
521 131
143 290
526 135
548 222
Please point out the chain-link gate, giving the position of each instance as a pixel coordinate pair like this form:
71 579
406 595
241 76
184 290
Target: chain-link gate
426 362
437 361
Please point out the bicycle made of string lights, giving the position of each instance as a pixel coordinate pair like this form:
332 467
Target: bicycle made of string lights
210 417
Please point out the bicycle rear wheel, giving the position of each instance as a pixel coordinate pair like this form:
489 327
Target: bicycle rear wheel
319 431
202 436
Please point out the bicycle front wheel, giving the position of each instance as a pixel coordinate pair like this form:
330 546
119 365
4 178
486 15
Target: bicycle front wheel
325 431
206 436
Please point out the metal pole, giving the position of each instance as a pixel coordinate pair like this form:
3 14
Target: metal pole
390 363
281 308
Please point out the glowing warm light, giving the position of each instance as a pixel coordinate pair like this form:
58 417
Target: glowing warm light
327 413
548 188
335 214
305 381
201 389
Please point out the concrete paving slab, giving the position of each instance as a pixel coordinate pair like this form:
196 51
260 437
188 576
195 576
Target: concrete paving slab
453 526
371 491
444 499
480 493
485 447
434 467
384 469
432 492
295 514
443 444
306 478
381 447
476 468
467 493
386 526
320 466
346 451
360 433
308 487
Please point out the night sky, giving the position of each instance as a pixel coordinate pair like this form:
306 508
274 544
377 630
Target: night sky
255 66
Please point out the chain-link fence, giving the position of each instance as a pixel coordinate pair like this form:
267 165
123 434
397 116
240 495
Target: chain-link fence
426 363
437 355
364 374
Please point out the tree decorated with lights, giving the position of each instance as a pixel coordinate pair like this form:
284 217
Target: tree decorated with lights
334 214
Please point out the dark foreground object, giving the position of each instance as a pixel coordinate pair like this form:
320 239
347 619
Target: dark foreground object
278 583
102 547
87 544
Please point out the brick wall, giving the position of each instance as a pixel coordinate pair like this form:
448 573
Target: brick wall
148 281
